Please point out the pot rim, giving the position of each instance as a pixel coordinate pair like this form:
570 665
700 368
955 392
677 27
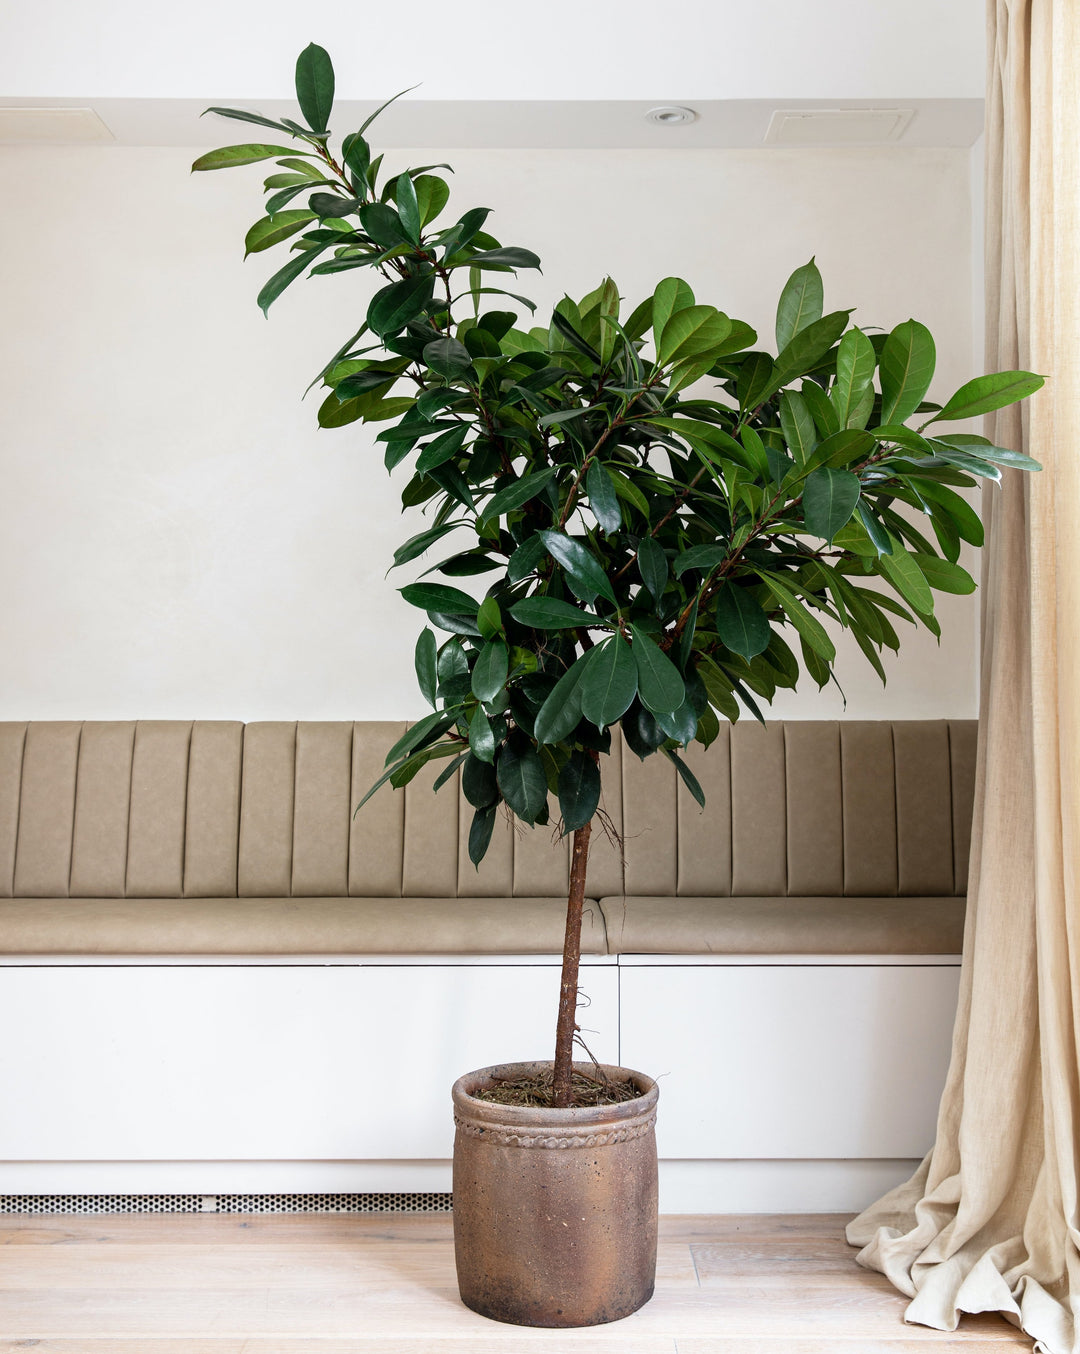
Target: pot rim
487 1111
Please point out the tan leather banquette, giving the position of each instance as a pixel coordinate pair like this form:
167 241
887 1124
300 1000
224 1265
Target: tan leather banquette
179 837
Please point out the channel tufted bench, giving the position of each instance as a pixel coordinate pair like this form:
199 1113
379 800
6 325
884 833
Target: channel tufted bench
207 962
214 838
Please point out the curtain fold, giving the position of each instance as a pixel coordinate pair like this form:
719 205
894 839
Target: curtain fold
990 1220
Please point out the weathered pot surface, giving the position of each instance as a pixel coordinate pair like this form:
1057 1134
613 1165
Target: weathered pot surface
554 1209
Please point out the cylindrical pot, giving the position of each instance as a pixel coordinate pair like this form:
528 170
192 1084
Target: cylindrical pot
554 1209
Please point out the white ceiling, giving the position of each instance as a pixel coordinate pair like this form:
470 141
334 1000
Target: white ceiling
564 72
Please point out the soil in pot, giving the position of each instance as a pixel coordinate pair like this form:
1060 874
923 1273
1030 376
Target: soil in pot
555 1209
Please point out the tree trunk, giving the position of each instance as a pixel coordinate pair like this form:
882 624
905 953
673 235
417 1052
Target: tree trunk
562 1091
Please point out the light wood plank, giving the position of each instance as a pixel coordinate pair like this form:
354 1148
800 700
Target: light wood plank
266 1284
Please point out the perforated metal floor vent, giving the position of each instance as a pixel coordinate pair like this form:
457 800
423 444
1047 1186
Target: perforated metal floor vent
225 1203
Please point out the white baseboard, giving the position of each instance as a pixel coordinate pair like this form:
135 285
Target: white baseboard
685 1186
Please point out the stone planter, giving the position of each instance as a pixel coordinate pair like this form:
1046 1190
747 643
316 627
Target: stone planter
554 1209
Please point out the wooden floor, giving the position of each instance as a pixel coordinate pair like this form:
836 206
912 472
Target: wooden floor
208 1284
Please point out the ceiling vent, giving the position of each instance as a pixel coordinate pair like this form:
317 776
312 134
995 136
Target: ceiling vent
56 126
837 126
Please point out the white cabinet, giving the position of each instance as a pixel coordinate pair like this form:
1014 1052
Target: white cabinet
280 1063
792 1060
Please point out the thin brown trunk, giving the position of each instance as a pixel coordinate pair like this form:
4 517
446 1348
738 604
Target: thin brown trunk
562 1091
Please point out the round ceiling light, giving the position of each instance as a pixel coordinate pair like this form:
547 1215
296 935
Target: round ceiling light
671 115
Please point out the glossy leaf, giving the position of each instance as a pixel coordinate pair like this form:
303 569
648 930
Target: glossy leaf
801 303
610 683
560 713
659 682
740 621
315 86
415 546
906 576
550 613
810 629
481 736
489 618
829 499
584 571
392 308
856 362
444 448
603 499
579 790
281 279
483 825
439 597
653 567
809 346
511 258
447 358
670 296
408 206
522 781
697 329
516 495
987 393
687 776
227 157
478 782
490 671
907 368
944 576
800 431
425 663
271 230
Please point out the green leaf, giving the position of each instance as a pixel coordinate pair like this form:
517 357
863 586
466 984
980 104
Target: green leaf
855 364
757 379
423 540
603 499
985 450
966 520
907 578
809 346
697 329
849 444
447 358
426 665
444 448
875 530
368 121
438 597
944 576
392 308
801 303
229 156
630 493
241 116
825 417
516 495
273 288
653 567
987 393
483 825
560 713
550 613
432 195
610 683
810 629
907 368
481 736
671 295
829 499
489 618
271 230
447 771
512 258
383 224
579 790
491 669
315 86
800 431
686 776
479 784
356 154
408 206
522 781
702 557
660 684
740 621
586 574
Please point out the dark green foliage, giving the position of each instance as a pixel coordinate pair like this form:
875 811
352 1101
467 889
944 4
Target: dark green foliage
652 555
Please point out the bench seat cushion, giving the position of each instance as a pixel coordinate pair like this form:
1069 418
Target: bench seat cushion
784 925
361 926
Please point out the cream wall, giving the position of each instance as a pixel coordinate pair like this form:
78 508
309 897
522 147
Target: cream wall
179 540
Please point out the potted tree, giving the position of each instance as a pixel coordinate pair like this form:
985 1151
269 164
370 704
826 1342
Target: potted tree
645 553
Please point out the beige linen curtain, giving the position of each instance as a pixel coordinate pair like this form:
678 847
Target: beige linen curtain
990 1220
